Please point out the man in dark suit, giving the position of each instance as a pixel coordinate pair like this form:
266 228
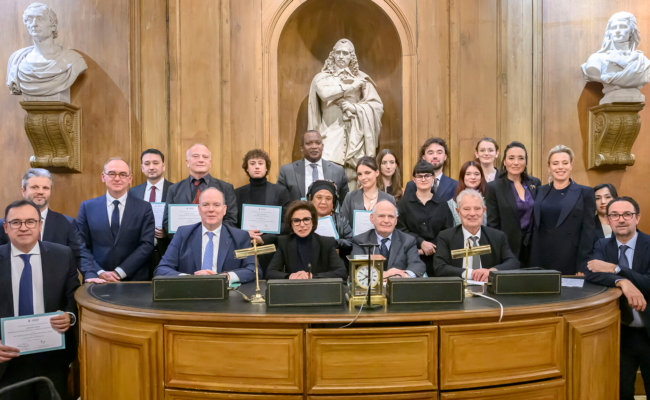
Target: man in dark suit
471 210
298 175
35 278
434 151
118 229
187 191
57 228
399 248
154 190
623 261
208 248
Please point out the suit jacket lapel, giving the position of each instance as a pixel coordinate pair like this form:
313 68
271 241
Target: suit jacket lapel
457 242
639 253
316 266
6 290
487 260
103 214
299 172
443 185
49 275
327 173
395 248
197 247
542 192
166 185
572 196
187 194
510 197
225 241
48 232
270 194
128 214
292 254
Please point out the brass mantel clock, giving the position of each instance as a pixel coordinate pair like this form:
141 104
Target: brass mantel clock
366 272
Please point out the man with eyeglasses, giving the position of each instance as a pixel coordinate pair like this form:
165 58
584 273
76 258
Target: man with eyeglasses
208 248
56 228
623 261
400 249
117 229
35 278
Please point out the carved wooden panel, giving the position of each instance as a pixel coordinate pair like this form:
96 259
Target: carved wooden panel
392 396
593 354
171 394
378 360
479 355
234 359
120 351
550 390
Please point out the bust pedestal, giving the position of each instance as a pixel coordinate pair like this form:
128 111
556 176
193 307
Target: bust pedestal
613 128
54 130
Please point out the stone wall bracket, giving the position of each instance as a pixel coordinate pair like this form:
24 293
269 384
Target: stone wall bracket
613 128
54 130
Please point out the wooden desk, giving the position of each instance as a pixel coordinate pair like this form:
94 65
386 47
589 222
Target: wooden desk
547 347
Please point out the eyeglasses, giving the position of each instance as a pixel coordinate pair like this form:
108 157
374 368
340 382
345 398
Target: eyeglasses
16 224
113 175
297 221
423 177
626 216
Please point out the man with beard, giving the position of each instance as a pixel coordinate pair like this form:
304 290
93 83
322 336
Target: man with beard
434 151
57 228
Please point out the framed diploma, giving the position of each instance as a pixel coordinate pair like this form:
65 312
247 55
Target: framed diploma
32 333
267 219
361 222
327 228
158 212
181 215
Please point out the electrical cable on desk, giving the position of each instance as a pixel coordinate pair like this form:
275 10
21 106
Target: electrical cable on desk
366 295
490 298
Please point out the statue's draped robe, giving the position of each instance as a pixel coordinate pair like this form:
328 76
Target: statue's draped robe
603 67
346 138
43 78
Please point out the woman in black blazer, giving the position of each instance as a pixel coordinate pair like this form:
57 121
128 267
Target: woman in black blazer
564 231
510 199
605 192
303 250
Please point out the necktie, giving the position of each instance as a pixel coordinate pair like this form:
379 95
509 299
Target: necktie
152 195
25 291
209 253
115 218
476 260
626 311
314 172
383 249
435 185
198 191
622 258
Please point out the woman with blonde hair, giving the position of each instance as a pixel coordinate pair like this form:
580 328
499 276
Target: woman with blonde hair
564 228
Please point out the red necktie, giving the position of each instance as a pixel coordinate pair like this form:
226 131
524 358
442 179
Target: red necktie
152 196
198 192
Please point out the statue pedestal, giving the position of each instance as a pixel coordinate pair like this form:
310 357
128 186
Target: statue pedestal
613 128
54 130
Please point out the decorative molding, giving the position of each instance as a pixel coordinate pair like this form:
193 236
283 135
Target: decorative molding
613 128
54 130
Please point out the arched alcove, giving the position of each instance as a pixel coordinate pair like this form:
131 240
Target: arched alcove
305 42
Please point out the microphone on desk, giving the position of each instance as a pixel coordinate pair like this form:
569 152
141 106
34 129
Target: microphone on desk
309 269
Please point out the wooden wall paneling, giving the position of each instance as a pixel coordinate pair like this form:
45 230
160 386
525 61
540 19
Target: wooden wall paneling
171 394
537 348
371 360
594 359
538 88
116 350
135 106
258 360
549 390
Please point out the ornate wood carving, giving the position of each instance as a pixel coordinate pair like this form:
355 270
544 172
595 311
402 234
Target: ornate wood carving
54 130
613 128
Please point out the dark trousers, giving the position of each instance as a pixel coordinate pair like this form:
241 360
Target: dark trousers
635 353
31 366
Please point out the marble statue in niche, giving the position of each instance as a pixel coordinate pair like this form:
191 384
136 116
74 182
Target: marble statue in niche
618 65
44 71
345 108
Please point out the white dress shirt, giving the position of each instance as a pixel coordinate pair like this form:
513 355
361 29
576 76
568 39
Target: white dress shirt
17 266
109 208
308 172
43 217
470 259
159 190
215 253
629 253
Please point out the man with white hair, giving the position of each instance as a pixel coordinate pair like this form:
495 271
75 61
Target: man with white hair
400 249
471 210
188 191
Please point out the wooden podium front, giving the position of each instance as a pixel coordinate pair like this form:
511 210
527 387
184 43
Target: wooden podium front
559 347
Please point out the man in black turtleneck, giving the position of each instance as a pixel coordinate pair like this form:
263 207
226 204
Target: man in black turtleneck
260 192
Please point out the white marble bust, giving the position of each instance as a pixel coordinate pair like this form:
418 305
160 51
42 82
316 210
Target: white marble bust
618 65
44 71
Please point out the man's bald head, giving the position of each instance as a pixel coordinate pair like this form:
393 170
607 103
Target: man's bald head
199 160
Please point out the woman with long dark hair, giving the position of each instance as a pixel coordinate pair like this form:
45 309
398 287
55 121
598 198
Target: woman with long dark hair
510 201
390 175
471 176
605 192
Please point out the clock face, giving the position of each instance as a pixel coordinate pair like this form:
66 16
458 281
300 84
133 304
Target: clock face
362 277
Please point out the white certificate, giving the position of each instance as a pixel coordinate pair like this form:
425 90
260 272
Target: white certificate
361 222
182 214
32 333
265 218
158 212
326 227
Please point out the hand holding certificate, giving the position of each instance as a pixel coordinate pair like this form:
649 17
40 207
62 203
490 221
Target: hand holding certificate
34 333
158 212
266 219
326 227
